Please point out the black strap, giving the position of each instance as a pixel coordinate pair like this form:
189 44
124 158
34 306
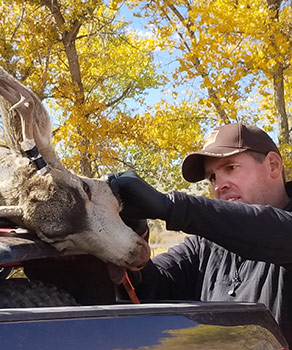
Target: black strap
36 158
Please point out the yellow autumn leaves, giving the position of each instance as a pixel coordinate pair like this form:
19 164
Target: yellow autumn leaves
226 60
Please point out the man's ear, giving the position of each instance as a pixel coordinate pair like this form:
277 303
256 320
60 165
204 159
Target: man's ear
275 164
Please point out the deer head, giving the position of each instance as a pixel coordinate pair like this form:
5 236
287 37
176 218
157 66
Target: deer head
70 212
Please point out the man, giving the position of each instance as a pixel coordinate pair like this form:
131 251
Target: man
240 247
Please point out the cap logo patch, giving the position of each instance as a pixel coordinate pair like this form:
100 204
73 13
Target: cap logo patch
211 138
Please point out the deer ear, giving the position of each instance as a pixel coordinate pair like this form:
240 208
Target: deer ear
275 164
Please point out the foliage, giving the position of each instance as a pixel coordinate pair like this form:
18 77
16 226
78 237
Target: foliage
163 136
213 337
84 63
237 54
231 59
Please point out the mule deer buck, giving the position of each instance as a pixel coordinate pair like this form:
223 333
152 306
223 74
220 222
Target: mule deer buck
71 213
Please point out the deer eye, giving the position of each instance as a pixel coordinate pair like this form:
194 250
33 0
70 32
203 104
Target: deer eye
86 189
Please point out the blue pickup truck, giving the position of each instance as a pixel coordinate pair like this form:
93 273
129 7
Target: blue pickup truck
34 315
163 326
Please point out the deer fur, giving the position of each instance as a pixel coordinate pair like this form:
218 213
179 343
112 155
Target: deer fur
71 213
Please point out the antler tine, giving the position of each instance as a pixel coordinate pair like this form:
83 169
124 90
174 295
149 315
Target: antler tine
16 94
11 211
22 100
7 95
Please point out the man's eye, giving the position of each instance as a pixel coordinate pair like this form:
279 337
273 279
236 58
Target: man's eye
232 167
86 189
212 178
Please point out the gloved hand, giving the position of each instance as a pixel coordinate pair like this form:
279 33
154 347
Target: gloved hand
139 199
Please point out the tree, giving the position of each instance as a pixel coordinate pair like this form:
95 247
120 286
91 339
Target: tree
83 63
165 134
232 56
237 54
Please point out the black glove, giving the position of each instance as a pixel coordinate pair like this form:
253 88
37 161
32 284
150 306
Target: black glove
139 199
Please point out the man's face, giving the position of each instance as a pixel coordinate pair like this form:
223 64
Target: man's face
239 178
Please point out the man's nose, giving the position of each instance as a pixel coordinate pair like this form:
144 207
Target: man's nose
221 183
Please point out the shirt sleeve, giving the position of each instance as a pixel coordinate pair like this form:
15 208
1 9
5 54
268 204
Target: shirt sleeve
172 275
255 232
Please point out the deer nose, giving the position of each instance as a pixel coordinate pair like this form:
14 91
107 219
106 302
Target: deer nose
140 259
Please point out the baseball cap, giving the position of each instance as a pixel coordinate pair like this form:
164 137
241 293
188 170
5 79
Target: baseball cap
226 141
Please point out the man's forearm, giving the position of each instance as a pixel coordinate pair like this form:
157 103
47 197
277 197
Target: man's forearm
253 231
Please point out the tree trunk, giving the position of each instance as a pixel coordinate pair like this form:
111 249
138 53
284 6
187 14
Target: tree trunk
278 83
68 39
279 95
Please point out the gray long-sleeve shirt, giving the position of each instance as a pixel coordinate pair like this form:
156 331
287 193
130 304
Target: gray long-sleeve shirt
236 252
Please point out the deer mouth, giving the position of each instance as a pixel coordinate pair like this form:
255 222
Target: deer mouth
141 260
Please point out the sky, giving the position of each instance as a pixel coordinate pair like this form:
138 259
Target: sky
162 58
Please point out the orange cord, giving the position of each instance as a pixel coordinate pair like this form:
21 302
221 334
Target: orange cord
130 289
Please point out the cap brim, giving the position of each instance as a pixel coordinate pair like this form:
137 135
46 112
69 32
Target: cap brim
193 169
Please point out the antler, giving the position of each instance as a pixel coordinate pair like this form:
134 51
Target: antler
22 101
25 107
35 123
